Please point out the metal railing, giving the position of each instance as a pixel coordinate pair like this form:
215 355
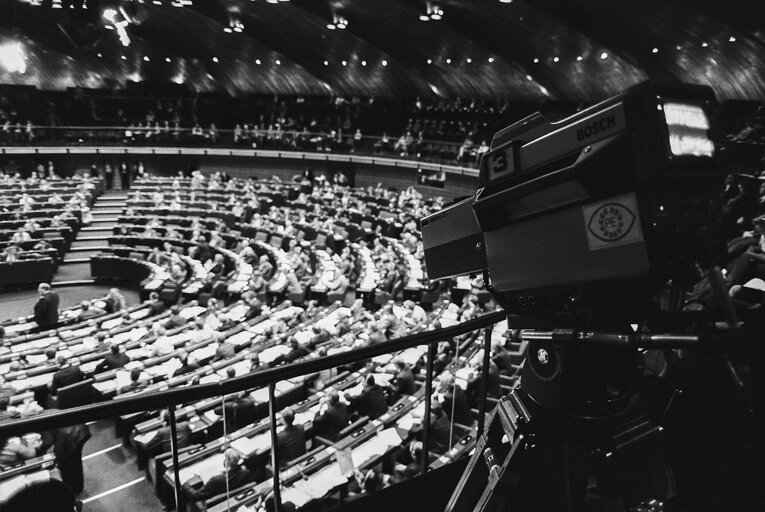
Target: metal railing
53 419
433 151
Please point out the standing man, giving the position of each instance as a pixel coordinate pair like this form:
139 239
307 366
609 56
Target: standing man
109 175
46 309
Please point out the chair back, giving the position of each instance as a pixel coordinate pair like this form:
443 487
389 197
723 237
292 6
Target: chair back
75 395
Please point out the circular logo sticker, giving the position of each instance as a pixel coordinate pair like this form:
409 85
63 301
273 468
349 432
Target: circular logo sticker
543 356
611 222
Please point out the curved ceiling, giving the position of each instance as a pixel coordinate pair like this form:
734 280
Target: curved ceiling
573 50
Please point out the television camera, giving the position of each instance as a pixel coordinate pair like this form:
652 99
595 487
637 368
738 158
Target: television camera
589 232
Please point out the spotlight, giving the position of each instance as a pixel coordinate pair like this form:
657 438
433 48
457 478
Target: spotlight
424 17
448 61
331 26
12 58
604 56
385 63
278 62
363 63
257 62
655 50
491 59
146 58
536 61
326 63
344 63
579 58
215 59
732 39
227 30
556 59
469 60
430 61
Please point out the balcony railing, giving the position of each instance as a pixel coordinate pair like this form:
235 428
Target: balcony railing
409 148
170 399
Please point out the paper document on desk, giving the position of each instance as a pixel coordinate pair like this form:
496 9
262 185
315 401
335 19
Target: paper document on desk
144 438
321 482
375 447
112 322
44 342
390 437
204 469
237 312
295 495
338 350
210 416
139 314
261 327
138 333
244 445
241 338
210 379
105 386
382 359
270 354
302 418
382 379
345 463
283 386
303 337
411 355
406 423
260 395
192 312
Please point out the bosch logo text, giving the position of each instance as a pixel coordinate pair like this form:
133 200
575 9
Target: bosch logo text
600 125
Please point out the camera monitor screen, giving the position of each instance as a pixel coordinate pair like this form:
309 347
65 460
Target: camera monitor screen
688 127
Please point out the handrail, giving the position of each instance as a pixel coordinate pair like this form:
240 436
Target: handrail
52 420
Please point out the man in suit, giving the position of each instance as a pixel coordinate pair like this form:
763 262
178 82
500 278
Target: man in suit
290 442
176 319
236 474
186 367
160 443
404 380
296 351
333 419
46 308
113 360
371 402
69 373
454 400
440 440
156 306
135 383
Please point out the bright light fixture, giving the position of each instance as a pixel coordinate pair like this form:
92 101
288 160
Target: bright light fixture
12 58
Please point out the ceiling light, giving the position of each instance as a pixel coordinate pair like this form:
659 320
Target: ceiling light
435 16
326 63
505 1
272 1
167 59
99 55
110 15
604 56
331 26
448 61
345 63
556 59
215 59
430 61
424 17
257 62
278 62
12 58
732 39
146 58
469 60
704 44
385 63
227 30
528 77
678 47
491 59
655 50
123 57
536 61
579 58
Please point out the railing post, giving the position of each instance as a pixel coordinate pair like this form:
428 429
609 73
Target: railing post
484 379
179 498
274 460
428 393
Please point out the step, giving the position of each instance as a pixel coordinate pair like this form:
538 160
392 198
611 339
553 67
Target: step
102 247
103 211
95 229
103 220
75 260
81 238
84 253
78 282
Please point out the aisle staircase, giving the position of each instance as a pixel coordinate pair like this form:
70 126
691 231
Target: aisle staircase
75 269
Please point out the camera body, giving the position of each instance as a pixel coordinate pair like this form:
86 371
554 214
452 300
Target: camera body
596 212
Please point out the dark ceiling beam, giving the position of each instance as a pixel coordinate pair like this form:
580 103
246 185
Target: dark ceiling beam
602 22
480 25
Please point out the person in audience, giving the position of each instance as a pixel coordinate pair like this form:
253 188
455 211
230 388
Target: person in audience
176 319
160 443
5 401
296 351
225 350
440 428
376 335
234 476
113 360
332 418
502 357
46 308
186 365
68 443
290 441
371 402
69 373
453 400
403 382
135 382
156 306
162 346
50 357
87 311
17 449
115 301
